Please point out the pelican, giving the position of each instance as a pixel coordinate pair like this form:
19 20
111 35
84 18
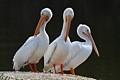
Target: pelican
59 48
35 46
79 51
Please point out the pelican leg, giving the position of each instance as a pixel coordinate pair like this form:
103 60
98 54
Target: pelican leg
61 66
54 65
35 68
72 71
30 66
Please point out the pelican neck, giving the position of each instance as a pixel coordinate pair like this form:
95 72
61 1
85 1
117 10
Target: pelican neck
42 29
88 41
64 29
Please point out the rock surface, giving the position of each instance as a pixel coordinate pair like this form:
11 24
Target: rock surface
7 75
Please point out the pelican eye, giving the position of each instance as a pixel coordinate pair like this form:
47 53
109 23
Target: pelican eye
42 13
87 30
66 18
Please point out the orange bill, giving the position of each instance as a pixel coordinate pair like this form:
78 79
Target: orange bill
68 27
40 23
93 43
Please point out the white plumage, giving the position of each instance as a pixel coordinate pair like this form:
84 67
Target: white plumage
35 46
59 48
79 51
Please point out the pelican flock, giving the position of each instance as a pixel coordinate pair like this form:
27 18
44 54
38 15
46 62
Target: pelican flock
61 54
35 46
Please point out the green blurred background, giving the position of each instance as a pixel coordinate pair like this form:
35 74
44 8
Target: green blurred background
18 20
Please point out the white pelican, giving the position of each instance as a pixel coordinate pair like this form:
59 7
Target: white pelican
35 46
79 51
59 48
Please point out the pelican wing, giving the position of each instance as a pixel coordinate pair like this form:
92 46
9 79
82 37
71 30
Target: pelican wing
25 52
49 52
73 55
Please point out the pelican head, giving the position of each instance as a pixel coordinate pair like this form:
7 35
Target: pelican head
68 16
46 15
82 30
85 33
